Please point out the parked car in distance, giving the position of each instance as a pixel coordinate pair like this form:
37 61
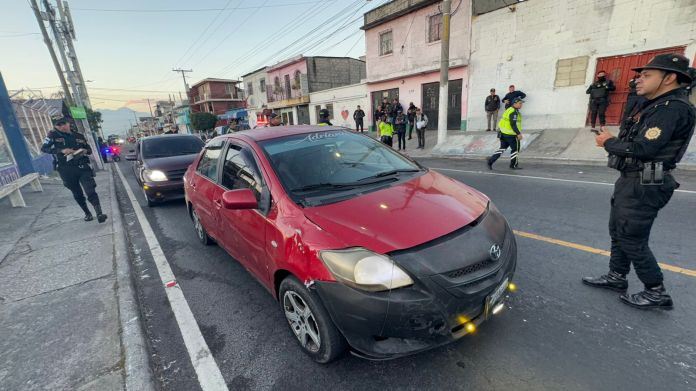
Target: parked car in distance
363 247
160 163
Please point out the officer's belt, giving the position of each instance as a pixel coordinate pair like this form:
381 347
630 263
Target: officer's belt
638 174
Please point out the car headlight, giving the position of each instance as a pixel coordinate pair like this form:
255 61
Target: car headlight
154 175
364 269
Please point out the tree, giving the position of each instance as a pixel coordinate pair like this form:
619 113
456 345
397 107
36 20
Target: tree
203 121
95 119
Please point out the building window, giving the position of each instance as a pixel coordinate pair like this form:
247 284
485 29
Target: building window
434 27
329 107
276 85
385 43
296 81
571 71
262 85
250 89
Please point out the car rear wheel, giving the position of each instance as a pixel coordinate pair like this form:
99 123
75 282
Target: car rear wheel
203 236
310 322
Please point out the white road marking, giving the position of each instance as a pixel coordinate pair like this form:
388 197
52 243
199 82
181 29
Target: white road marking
209 375
542 178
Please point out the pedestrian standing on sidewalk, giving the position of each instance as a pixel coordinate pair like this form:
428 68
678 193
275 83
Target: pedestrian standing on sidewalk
400 128
70 150
394 109
510 135
492 106
410 116
645 153
358 116
599 98
386 131
421 124
511 95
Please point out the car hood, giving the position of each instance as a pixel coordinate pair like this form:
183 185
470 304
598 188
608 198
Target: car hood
401 216
170 162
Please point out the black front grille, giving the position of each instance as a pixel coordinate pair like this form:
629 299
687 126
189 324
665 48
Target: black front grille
470 269
175 175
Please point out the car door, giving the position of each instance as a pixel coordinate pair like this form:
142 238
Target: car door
205 187
243 232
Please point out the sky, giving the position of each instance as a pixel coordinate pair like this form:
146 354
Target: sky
128 48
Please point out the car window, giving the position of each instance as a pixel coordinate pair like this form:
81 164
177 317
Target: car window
240 171
309 164
208 164
171 146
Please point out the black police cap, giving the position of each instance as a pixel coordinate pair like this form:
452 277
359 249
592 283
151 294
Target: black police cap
674 63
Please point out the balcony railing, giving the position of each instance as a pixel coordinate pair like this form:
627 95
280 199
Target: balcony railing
207 97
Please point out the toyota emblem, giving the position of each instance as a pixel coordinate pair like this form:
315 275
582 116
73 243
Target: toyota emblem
495 252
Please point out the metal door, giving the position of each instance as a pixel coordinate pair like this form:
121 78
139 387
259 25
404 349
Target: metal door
454 103
618 69
430 104
378 96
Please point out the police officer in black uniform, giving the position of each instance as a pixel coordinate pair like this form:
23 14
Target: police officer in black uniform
599 98
645 152
74 169
324 118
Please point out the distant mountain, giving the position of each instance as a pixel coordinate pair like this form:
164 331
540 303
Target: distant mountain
118 121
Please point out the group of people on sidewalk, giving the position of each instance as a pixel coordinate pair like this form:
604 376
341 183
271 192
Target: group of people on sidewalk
391 119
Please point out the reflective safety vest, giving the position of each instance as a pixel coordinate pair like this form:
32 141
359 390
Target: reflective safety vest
504 124
386 129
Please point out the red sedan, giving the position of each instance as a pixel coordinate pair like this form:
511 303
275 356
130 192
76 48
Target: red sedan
363 248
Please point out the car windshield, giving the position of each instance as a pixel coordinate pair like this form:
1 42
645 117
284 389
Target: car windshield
171 146
315 167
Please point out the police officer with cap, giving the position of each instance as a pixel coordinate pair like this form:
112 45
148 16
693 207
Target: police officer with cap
645 152
71 151
274 120
324 118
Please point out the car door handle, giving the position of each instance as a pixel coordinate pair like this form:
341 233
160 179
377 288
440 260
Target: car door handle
218 204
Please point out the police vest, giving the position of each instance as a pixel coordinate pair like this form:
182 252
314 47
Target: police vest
504 124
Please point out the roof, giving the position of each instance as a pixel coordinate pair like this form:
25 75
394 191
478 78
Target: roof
392 10
262 134
213 79
263 68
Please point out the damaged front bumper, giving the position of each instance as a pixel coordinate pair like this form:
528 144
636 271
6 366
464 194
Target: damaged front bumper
437 309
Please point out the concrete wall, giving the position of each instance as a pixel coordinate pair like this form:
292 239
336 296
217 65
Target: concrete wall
523 47
331 72
257 99
410 89
417 54
345 100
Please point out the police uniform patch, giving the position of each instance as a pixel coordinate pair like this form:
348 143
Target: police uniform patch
653 133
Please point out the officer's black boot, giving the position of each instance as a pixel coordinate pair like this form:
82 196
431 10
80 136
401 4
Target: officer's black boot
613 280
88 214
101 217
655 297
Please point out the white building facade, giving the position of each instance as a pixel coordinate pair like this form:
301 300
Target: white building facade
551 50
255 94
341 103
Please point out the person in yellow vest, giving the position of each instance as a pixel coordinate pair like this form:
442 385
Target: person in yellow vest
324 118
386 131
510 135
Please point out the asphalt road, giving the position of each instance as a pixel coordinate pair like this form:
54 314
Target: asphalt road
555 334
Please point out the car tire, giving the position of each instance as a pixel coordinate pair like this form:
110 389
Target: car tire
314 331
201 233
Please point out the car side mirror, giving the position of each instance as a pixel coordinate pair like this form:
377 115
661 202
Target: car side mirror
239 199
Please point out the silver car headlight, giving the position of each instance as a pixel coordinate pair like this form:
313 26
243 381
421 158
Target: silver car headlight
364 269
154 175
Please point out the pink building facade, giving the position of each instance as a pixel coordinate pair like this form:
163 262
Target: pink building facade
402 40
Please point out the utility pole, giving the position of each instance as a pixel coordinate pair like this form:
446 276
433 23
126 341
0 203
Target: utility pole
49 44
69 34
444 73
76 98
183 76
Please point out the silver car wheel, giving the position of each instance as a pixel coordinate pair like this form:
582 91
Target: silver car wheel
302 321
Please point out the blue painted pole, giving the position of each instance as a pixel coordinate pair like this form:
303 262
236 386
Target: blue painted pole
13 133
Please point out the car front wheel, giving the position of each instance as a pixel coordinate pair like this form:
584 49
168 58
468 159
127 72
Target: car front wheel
310 322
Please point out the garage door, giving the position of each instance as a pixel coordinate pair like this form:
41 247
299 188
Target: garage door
618 69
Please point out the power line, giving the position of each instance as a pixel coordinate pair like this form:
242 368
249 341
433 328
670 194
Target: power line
351 48
264 43
187 10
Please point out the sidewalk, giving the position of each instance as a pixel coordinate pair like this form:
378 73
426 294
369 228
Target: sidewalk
68 319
